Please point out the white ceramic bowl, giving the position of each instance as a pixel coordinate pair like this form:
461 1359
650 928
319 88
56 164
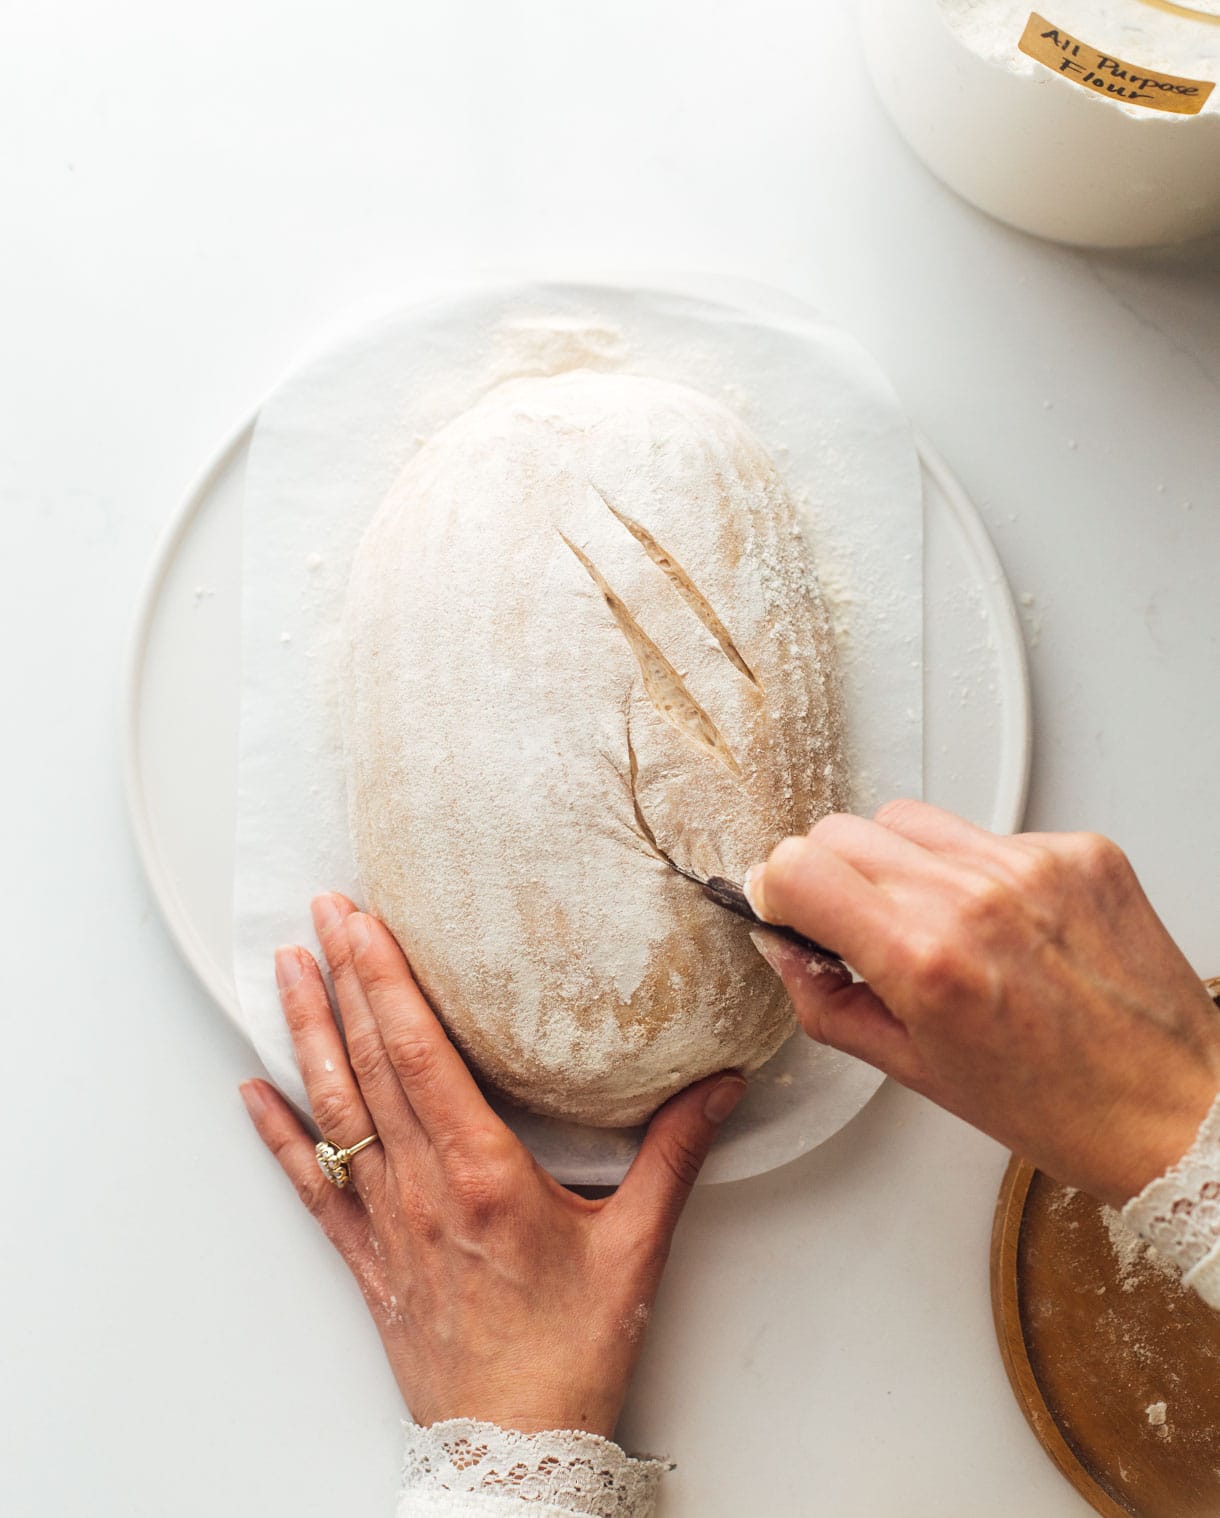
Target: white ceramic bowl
1037 151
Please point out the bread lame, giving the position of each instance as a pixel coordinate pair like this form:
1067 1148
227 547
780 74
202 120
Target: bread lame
733 899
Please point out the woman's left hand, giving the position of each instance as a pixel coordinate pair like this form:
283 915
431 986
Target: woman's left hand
498 1294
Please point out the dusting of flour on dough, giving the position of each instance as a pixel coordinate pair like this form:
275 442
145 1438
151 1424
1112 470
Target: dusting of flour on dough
500 837
541 345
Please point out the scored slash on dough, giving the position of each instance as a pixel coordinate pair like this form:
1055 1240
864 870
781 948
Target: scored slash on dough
684 585
642 822
662 682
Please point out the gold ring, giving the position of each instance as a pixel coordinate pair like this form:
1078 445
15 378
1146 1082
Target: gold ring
333 1161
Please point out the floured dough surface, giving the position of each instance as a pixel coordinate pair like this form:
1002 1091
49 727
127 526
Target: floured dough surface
583 633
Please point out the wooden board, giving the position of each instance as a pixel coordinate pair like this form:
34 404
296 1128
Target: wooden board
1115 1364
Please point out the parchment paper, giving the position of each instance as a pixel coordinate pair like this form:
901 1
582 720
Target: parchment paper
327 446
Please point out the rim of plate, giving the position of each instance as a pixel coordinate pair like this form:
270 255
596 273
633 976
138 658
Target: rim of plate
1012 782
222 989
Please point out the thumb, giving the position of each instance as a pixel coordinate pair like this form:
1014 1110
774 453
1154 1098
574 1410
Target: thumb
847 1015
674 1149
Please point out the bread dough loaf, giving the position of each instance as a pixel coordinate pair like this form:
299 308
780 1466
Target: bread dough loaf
583 633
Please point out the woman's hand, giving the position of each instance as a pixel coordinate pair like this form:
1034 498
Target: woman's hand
498 1294
1023 983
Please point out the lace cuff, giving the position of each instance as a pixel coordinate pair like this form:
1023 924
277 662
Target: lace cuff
1179 1212
464 1467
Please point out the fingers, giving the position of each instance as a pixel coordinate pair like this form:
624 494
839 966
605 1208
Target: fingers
814 890
656 1187
340 1213
440 1089
334 1097
863 888
878 853
935 829
379 1085
849 1017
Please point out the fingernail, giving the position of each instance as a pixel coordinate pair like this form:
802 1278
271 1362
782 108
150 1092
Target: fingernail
325 913
288 968
752 887
358 934
788 959
777 951
252 1096
723 1098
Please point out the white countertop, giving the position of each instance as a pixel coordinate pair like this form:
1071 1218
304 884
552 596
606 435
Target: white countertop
184 205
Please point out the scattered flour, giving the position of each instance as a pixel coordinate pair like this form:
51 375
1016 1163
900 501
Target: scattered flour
1138 1262
636 1321
1062 1198
1031 615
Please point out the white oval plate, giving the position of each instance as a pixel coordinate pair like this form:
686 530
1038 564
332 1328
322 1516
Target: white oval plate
182 713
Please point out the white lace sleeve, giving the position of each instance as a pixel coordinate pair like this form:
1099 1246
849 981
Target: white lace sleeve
465 1469
1179 1212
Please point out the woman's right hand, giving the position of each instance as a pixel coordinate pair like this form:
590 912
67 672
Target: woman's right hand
1023 983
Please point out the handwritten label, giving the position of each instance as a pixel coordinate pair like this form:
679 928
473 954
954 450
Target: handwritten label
1109 76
